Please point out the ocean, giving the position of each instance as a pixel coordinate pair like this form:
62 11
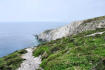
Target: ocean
19 35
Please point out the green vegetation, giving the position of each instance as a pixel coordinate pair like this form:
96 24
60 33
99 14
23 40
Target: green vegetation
76 52
94 19
47 31
12 61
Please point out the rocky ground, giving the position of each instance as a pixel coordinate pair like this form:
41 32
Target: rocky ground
100 33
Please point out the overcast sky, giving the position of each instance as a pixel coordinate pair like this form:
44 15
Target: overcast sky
50 10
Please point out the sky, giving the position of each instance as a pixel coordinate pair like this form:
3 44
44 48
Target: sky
50 10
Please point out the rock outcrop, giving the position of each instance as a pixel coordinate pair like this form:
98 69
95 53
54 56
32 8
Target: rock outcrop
72 28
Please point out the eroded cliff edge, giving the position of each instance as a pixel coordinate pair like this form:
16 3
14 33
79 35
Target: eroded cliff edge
72 28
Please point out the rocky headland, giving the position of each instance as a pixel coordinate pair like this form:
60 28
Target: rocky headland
72 28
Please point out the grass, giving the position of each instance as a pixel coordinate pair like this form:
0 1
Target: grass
12 61
47 31
76 52
94 19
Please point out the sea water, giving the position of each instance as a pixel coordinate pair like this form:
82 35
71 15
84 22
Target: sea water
18 35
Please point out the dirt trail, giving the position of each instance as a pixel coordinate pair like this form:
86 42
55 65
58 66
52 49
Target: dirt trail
31 62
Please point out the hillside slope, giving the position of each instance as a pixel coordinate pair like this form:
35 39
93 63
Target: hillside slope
84 51
12 61
72 28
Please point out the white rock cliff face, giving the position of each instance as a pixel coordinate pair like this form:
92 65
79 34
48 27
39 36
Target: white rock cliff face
72 28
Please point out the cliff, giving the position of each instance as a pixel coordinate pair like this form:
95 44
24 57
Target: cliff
72 28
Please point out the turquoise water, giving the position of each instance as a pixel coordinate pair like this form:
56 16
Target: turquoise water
15 36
